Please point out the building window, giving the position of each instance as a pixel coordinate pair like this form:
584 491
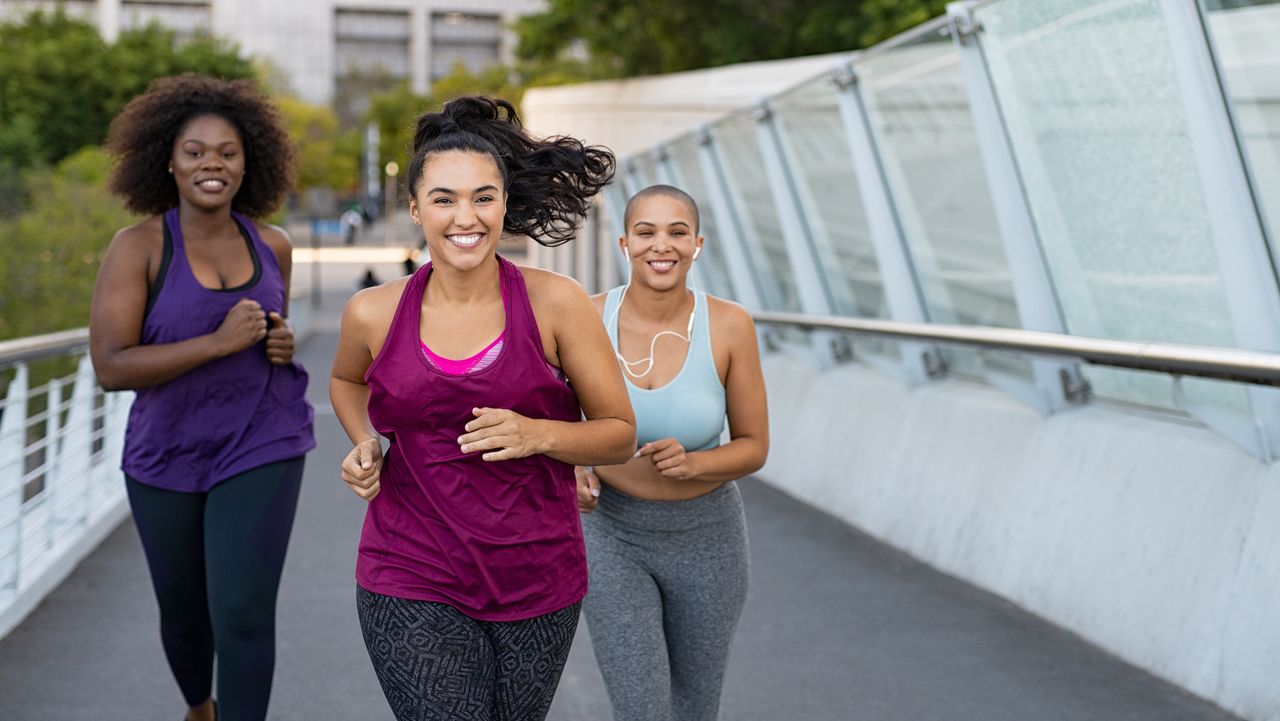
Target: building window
184 18
371 55
472 40
79 9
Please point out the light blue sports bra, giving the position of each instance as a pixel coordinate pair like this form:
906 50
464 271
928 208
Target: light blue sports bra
689 408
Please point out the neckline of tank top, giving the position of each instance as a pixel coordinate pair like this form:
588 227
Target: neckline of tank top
505 334
250 241
699 304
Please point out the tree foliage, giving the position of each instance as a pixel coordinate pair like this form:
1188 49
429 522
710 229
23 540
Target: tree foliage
61 83
635 37
395 110
327 157
52 251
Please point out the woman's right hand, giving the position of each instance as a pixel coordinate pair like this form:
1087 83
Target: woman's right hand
588 488
362 469
244 325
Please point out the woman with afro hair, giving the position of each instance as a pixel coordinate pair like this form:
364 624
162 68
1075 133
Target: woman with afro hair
190 312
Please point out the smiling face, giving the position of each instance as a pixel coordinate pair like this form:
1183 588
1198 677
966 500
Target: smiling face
208 162
460 205
661 240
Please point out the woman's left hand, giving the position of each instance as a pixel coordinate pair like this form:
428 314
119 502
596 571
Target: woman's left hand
670 458
503 433
279 339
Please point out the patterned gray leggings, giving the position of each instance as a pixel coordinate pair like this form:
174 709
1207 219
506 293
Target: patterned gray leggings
668 582
436 663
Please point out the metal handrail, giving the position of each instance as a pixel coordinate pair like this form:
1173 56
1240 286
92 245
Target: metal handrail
1230 364
35 347
22 350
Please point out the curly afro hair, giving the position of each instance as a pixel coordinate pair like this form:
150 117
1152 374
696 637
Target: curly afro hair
141 138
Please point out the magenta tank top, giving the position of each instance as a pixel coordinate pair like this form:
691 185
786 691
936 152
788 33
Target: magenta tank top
499 541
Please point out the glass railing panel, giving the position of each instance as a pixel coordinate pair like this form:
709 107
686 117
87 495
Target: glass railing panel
809 119
683 154
645 170
1093 114
752 199
1245 35
919 115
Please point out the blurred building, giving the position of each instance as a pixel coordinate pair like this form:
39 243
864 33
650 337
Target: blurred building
328 47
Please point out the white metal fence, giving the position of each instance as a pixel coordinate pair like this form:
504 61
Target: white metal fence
61 489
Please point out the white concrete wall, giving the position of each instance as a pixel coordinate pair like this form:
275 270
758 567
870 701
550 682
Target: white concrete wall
1155 539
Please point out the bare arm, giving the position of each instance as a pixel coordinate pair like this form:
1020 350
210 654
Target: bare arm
347 389
120 359
608 433
281 244
364 328
746 406
280 341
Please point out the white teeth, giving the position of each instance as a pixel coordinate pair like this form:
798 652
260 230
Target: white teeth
466 240
212 184
662 264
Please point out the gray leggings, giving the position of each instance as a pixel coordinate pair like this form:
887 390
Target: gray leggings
668 581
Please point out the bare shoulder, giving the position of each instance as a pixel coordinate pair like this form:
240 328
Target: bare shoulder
728 316
275 237
597 301
551 289
135 250
142 237
373 307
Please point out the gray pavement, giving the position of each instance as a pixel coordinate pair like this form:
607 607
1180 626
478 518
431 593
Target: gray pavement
837 627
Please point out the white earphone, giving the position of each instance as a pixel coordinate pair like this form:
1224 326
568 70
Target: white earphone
626 364
696 251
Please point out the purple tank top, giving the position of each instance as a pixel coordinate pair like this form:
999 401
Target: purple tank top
499 541
231 414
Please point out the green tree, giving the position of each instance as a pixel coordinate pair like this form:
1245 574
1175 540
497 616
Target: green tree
326 159
394 110
497 80
52 251
54 81
60 83
143 54
635 37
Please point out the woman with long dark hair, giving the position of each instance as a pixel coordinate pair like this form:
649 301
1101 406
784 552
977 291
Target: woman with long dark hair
490 381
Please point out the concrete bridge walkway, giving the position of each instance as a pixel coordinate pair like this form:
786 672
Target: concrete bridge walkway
837 628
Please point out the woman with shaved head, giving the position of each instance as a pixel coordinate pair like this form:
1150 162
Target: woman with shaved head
666 538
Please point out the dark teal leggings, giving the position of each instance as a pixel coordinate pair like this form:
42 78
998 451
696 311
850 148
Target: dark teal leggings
215 561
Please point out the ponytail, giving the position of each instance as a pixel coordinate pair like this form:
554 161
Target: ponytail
549 183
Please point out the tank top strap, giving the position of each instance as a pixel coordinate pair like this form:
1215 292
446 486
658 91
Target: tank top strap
176 246
264 252
521 322
700 349
402 335
611 301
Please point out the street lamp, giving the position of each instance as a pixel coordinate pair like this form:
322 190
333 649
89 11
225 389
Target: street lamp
389 199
